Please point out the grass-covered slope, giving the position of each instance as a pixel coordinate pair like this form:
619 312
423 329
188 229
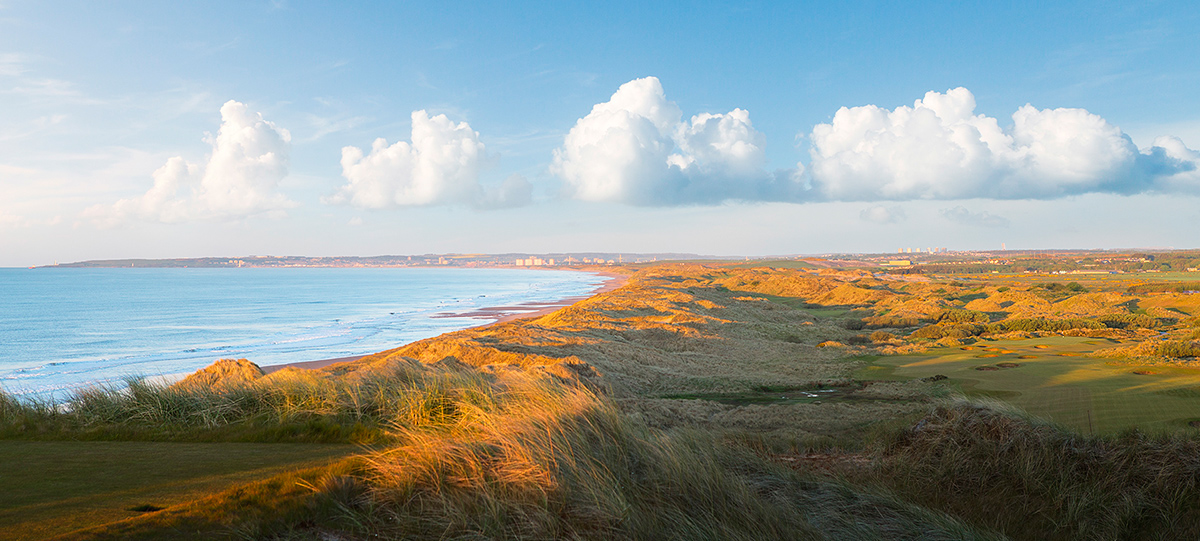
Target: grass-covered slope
692 403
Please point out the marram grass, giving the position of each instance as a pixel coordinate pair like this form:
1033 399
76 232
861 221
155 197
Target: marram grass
293 406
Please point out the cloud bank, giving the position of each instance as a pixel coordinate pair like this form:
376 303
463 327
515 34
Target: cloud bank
962 216
636 149
241 178
883 215
940 149
440 166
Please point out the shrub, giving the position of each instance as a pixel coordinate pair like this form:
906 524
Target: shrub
1161 287
853 324
932 332
937 332
1071 287
1048 325
962 316
1178 348
1129 321
882 336
858 340
876 322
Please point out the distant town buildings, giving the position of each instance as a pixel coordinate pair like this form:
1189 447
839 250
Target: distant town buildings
539 262
939 250
534 262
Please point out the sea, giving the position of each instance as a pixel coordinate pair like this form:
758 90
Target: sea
63 329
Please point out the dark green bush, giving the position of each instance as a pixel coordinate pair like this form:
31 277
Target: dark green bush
1129 321
935 332
1178 348
962 316
1046 325
1161 287
882 336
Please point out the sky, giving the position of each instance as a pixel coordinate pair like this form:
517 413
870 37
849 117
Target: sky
190 129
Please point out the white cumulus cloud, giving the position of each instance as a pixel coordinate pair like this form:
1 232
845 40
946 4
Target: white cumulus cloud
637 149
1178 167
241 177
440 166
940 149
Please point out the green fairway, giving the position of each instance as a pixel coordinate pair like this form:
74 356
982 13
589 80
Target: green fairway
54 487
1059 383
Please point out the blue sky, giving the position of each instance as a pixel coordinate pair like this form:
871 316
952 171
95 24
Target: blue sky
95 98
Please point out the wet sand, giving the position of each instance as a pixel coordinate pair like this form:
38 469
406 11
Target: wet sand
495 315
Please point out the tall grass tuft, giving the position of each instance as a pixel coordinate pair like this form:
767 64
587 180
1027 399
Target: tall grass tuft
538 459
1032 480
293 406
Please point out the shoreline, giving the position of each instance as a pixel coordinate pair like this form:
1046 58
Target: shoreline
496 315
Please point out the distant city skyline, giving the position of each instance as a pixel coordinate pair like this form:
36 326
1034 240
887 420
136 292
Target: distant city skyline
759 128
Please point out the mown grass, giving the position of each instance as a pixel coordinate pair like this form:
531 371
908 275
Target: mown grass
1058 382
55 487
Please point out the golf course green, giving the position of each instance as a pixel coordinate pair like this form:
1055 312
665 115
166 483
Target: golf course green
1053 378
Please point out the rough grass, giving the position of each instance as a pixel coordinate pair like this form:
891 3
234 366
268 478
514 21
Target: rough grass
558 462
532 457
1032 480
291 406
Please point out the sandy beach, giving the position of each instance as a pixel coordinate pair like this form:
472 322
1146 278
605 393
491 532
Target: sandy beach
494 315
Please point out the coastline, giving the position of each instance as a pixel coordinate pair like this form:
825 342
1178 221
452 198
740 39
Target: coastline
495 315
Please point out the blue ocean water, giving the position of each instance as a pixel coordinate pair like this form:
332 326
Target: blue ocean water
62 329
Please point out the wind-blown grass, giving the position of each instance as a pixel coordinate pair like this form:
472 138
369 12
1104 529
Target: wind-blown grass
544 460
467 455
1032 480
293 406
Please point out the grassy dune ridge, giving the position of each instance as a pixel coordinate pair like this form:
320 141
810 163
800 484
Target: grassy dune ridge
695 402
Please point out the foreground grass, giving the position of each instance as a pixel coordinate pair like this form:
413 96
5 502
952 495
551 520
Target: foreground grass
55 487
1031 480
541 459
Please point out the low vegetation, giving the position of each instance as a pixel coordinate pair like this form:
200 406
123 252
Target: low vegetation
703 402
362 406
1032 480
